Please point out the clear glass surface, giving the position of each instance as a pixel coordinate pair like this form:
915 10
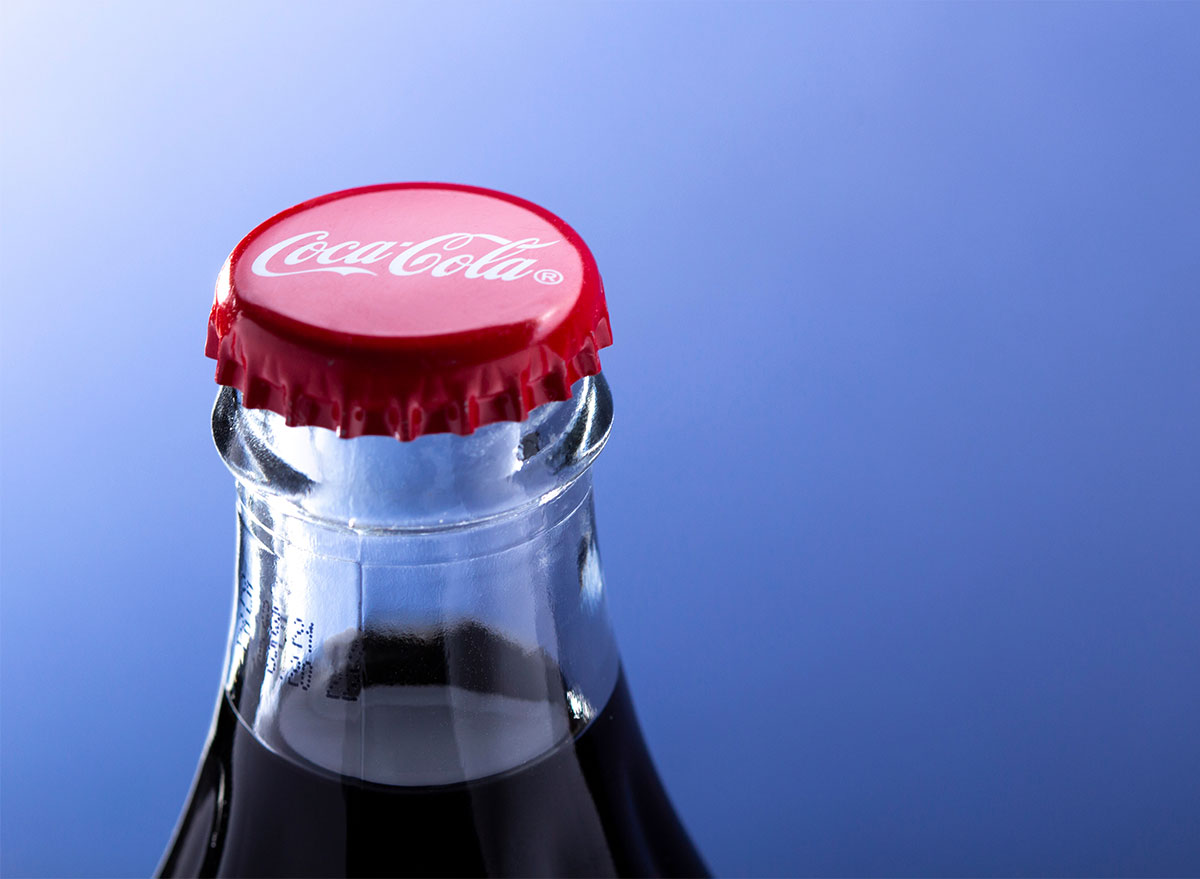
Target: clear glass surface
474 559
422 677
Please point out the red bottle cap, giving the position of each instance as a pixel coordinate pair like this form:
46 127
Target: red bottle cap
406 309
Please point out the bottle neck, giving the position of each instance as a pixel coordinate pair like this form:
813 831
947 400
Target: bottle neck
418 613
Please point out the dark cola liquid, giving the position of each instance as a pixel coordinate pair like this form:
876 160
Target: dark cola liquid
592 806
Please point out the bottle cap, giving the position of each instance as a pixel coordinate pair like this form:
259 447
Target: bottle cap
406 309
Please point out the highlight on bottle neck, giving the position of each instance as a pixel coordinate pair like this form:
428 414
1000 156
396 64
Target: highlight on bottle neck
418 613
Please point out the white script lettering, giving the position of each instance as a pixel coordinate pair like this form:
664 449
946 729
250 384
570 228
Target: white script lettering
441 255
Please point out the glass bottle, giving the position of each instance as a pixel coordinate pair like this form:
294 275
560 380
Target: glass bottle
422 677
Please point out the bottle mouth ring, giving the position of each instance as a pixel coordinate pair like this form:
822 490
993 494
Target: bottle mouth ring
435 483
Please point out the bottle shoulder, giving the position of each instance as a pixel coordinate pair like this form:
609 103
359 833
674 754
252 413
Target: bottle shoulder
592 806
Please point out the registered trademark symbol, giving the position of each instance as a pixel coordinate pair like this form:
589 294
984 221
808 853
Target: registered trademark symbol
548 276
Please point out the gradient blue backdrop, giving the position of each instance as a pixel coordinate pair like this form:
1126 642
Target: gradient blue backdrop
901 514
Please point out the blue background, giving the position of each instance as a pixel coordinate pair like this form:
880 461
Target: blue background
901 515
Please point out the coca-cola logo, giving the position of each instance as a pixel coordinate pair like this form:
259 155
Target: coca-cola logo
473 254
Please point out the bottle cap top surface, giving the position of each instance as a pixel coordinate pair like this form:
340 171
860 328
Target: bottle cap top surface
408 308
